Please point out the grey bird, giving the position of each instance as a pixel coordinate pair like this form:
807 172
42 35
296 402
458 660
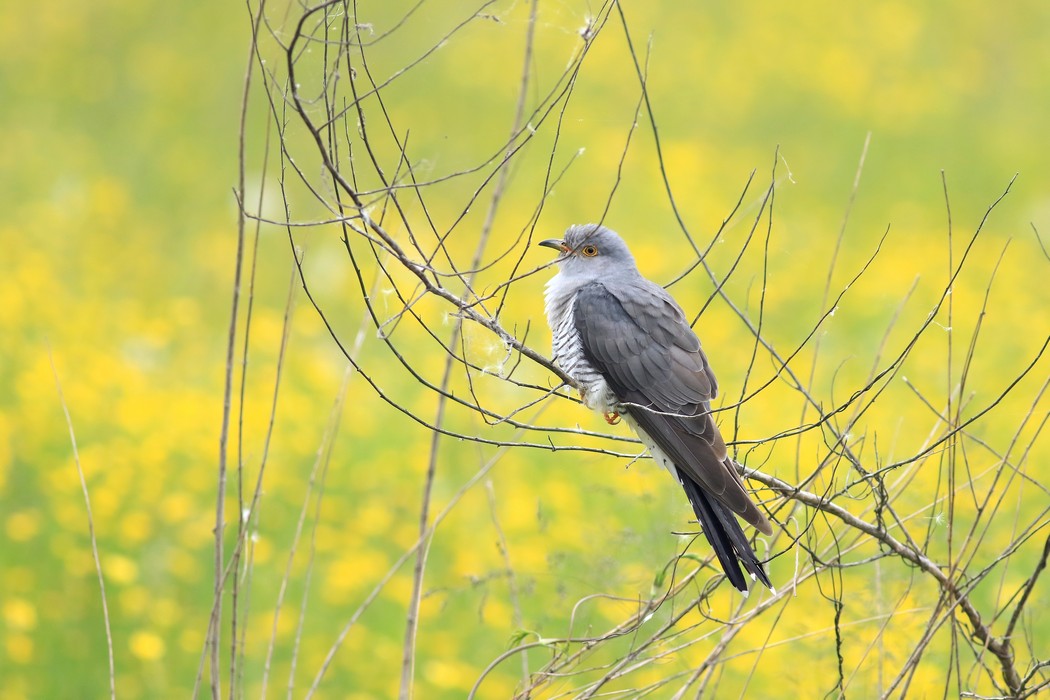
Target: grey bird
627 345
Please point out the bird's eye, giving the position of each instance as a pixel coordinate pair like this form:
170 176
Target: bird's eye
589 250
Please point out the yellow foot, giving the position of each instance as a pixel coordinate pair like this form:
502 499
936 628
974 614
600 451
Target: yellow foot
612 418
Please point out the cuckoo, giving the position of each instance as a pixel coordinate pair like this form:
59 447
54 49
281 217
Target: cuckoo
628 347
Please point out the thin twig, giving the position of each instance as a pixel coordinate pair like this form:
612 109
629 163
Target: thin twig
91 529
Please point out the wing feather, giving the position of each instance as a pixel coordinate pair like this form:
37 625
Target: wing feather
638 338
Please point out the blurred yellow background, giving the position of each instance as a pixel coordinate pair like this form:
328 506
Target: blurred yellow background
117 169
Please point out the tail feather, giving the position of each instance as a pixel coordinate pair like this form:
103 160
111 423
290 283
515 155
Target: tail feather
727 538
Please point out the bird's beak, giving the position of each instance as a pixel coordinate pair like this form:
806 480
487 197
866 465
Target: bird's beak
556 243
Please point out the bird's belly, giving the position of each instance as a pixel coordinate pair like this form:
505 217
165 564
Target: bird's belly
568 353
597 395
595 392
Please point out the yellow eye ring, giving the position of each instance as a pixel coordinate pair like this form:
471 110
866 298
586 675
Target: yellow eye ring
589 250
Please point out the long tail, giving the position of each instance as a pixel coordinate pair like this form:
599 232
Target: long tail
726 536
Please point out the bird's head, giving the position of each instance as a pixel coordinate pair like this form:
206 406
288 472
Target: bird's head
590 252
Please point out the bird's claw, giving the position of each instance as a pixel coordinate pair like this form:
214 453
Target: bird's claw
612 417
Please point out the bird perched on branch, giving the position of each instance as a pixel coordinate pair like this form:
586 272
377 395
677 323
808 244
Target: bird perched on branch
627 345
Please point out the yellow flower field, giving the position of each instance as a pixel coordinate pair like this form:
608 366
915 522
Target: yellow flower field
865 146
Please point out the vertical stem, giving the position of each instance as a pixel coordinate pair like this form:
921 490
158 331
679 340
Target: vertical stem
412 617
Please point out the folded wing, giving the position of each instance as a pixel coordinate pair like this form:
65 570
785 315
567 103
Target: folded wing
638 338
